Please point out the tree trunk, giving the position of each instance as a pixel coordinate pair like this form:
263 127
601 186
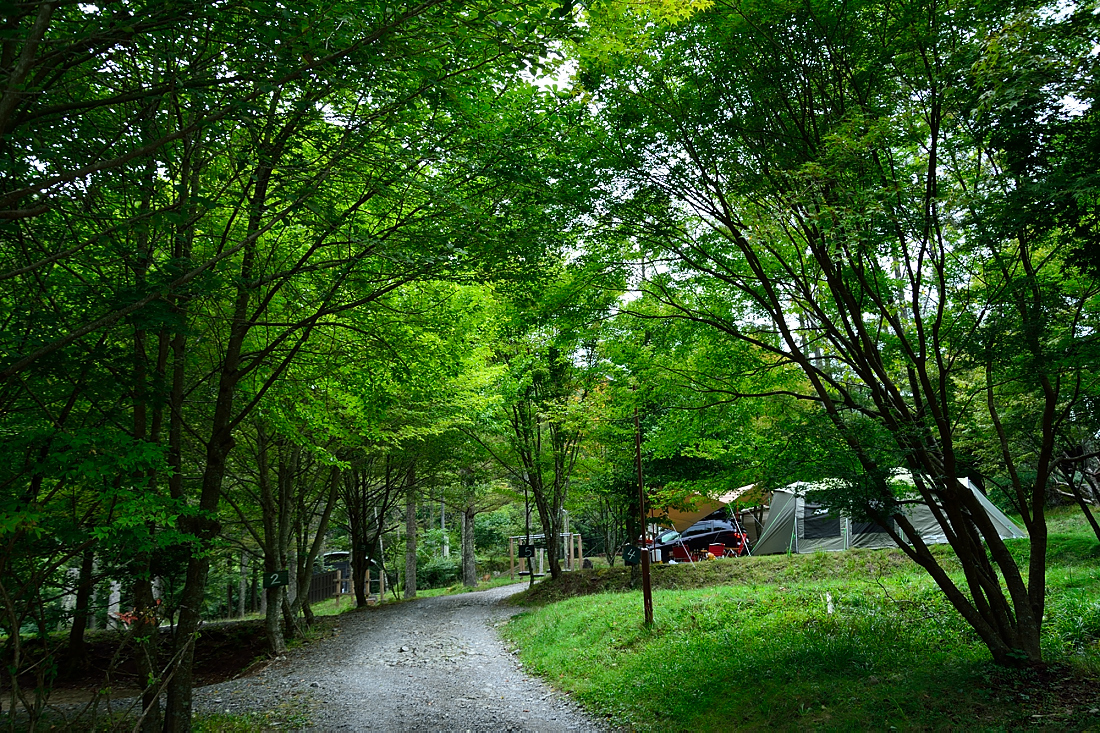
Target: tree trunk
1076 489
469 557
290 627
410 542
146 638
443 528
177 718
307 556
204 527
270 509
1069 472
360 568
272 608
242 587
77 656
549 508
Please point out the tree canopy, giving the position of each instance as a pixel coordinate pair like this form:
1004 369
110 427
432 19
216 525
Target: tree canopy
278 279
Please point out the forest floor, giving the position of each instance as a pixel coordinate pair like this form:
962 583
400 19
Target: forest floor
225 650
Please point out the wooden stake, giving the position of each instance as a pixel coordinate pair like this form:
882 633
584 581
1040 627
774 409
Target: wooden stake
647 592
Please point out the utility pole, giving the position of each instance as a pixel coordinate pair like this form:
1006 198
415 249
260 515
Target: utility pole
647 592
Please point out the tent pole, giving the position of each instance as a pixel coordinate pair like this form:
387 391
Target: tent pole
744 535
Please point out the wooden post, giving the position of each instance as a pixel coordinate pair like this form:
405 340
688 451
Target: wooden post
542 560
512 558
580 549
647 593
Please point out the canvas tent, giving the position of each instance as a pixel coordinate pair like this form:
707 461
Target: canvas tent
797 525
700 507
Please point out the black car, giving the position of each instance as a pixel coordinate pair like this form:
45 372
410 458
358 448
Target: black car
722 530
663 537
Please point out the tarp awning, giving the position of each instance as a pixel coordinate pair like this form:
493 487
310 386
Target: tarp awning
702 506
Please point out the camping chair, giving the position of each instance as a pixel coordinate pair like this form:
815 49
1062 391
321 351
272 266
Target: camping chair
681 553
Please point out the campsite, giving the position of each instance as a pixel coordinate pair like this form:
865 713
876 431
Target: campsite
687 364
844 640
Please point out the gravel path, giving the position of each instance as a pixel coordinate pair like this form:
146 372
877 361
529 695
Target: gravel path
430 664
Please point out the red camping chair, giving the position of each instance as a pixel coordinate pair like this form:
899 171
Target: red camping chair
739 548
680 553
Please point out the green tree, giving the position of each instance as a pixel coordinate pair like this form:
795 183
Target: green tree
548 390
192 194
809 179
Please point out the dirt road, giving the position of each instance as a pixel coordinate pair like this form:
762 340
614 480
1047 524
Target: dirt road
431 664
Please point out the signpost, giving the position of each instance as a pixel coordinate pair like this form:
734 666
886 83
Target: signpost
526 550
276 578
631 555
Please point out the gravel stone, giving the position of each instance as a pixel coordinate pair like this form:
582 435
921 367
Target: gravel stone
426 665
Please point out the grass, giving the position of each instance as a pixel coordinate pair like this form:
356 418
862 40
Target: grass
460 588
334 606
751 644
744 571
291 714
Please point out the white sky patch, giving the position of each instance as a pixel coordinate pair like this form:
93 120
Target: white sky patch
1074 107
1058 11
561 73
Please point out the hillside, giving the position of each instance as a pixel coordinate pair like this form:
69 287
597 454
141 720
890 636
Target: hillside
858 640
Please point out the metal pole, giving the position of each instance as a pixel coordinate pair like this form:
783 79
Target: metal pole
647 593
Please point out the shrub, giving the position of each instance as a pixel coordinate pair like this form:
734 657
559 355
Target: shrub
438 572
1074 618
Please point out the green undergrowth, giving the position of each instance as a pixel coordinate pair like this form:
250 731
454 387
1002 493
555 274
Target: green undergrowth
731 571
840 641
333 606
291 714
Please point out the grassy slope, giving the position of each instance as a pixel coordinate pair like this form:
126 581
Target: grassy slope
750 644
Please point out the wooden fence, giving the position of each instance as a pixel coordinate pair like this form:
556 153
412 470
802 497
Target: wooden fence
324 586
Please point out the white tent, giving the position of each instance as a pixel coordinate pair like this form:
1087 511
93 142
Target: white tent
797 525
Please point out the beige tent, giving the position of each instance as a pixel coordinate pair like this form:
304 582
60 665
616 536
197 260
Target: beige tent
701 507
